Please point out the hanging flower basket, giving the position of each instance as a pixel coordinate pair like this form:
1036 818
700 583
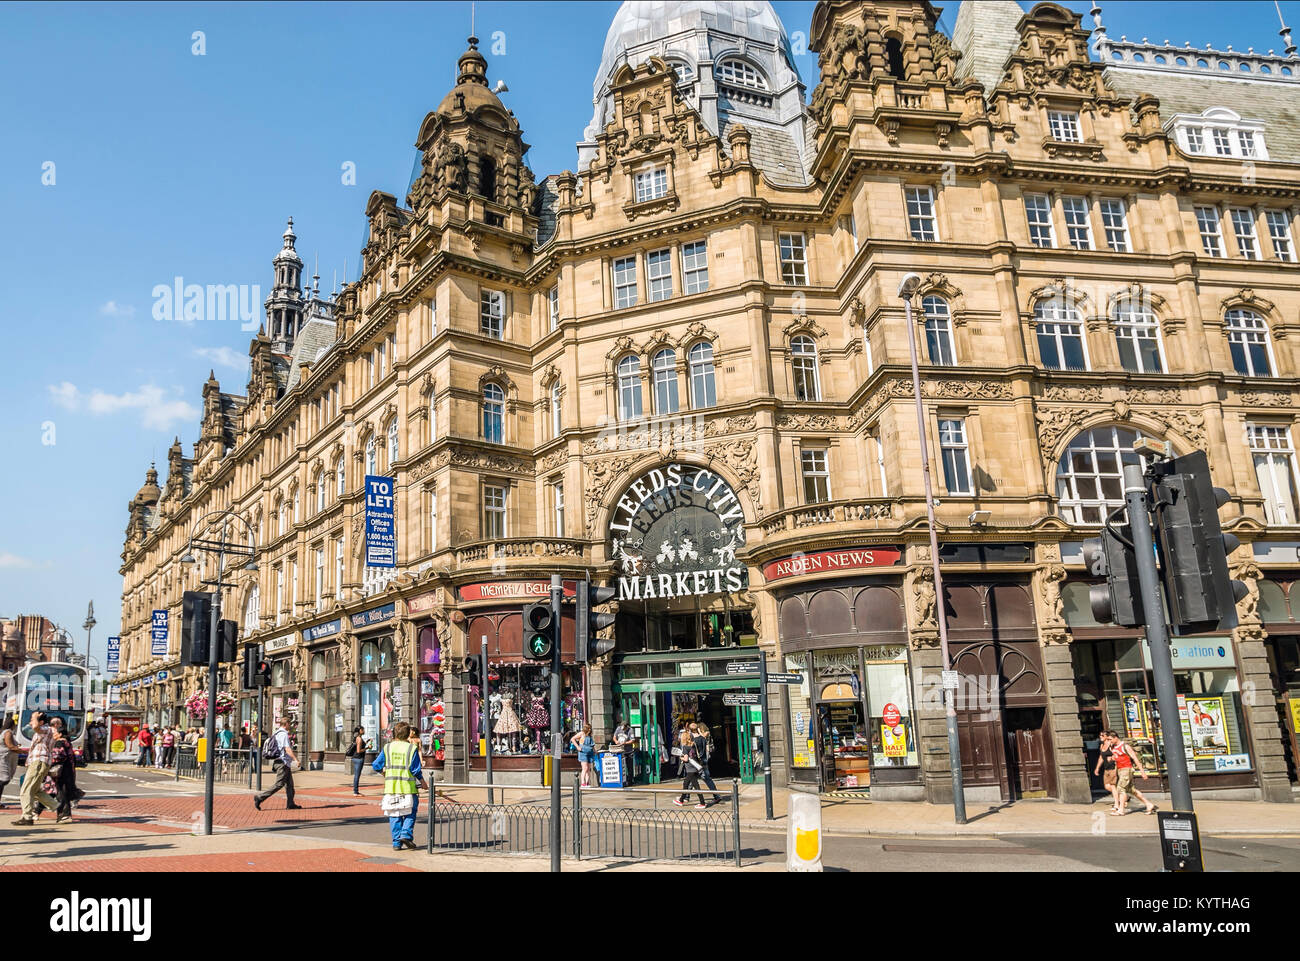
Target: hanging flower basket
196 705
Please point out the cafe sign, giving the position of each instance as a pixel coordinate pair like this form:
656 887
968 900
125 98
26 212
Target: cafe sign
675 533
830 562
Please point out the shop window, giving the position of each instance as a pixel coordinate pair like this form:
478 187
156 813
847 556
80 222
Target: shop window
318 667
386 654
1272 603
1078 606
369 661
518 708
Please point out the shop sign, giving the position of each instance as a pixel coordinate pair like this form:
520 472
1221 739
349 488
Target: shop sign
310 634
1295 714
425 602
830 562
280 643
675 533
894 739
742 667
338 722
691 669
114 654
1196 653
744 699
890 715
158 634
160 676
376 615
513 591
779 678
1232 762
381 532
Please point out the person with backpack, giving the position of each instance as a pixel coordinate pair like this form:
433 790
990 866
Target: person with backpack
399 763
278 749
357 753
704 750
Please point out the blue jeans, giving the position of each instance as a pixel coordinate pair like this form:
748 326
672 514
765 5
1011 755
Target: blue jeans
357 764
404 827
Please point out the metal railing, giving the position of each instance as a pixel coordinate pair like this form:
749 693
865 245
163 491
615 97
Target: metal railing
624 823
233 766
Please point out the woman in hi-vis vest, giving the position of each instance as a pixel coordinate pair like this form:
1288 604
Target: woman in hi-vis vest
399 762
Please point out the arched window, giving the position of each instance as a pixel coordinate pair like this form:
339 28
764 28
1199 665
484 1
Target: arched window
372 456
740 73
318 667
297 507
683 71
392 444
894 55
557 410
321 484
368 663
1060 336
1248 342
1138 335
252 613
629 388
665 381
803 364
703 390
433 419
341 476
487 178
938 331
1090 475
494 409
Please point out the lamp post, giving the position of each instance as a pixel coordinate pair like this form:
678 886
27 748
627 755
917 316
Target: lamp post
906 291
89 626
220 544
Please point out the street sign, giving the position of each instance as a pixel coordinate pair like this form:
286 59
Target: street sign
381 530
742 667
741 700
950 681
1180 841
785 678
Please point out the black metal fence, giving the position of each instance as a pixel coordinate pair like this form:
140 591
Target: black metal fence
595 823
232 766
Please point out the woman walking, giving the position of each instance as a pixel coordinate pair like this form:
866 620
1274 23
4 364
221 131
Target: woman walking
586 747
63 769
357 752
1105 766
689 763
9 749
1125 760
704 750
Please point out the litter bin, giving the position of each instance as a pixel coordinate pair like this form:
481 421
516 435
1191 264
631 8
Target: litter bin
612 769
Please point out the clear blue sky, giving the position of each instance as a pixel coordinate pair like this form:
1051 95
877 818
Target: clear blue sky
169 164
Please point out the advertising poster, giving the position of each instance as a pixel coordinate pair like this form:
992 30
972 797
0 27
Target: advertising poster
893 734
433 723
1152 713
385 705
114 654
381 532
158 634
1133 717
1209 733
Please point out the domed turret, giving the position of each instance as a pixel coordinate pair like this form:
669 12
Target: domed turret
148 495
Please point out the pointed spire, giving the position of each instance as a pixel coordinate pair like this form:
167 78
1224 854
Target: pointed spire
1285 32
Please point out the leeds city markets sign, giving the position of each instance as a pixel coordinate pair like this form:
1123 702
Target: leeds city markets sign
675 533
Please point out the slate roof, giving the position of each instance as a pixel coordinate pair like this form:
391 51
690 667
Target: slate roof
986 35
769 148
316 336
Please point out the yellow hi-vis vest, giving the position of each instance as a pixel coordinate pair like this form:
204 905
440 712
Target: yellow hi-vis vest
398 778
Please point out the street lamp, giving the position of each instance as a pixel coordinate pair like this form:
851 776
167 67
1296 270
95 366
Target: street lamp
906 291
89 626
217 541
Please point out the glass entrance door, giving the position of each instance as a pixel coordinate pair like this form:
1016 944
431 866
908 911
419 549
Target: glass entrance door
640 710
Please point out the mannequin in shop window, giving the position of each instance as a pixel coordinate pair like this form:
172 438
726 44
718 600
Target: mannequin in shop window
507 725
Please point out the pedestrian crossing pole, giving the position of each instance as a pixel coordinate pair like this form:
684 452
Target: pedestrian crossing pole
557 833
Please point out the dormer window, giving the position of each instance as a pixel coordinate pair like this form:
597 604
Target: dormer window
1064 126
651 184
683 71
1219 132
739 73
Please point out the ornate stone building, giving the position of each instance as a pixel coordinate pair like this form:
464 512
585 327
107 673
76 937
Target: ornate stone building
684 369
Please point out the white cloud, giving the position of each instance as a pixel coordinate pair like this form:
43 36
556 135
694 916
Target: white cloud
158 409
223 357
14 561
114 309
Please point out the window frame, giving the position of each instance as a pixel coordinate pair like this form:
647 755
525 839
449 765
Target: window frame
1284 451
1065 315
495 499
627 377
1059 120
805 360
1125 315
664 375
938 331
493 407
815 474
1247 240
1207 217
492 313
625 294
956 443
1077 234
1272 217
654 181
749 76
1108 207
919 199
700 361
1048 224
1234 324
692 274
794 270
663 260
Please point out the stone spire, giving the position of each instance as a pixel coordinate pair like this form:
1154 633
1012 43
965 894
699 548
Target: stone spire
284 308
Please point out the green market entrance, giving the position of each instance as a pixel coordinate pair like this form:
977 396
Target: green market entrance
659 694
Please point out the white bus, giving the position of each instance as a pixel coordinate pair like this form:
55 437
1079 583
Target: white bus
59 690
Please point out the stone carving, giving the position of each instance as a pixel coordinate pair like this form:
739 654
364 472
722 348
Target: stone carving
347 656
1053 603
1248 573
482 460
600 475
847 53
1191 424
741 456
1073 393
803 422
451 169
1265 398
923 598
1055 425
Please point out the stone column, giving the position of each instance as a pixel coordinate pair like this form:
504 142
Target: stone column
601 702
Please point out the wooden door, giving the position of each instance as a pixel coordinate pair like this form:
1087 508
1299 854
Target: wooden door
1029 752
982 761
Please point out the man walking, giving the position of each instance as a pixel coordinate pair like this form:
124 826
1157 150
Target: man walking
279 750
146 748
399 762
38 765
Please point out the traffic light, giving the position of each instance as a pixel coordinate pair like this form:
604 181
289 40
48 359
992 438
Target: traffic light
1193 550
227 641
539 631
587 643
196 625
263 672
252 654
470 670
1119 600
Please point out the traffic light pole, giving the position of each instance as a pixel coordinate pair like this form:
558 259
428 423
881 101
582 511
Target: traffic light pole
1162 666
487 717
210 725
557 833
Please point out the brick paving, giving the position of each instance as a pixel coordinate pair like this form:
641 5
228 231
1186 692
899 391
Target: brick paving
317 859
231 811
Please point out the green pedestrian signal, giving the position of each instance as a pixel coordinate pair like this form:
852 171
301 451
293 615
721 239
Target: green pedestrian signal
539 632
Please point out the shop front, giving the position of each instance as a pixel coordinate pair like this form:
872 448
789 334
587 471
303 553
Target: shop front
283 696
429 688
1279 599
510 709
685 646
381 697
1116 691
851 722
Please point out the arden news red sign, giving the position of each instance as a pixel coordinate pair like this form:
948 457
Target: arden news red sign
513 591
829 562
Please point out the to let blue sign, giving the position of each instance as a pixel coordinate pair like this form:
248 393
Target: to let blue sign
158 634
114 654
381 531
